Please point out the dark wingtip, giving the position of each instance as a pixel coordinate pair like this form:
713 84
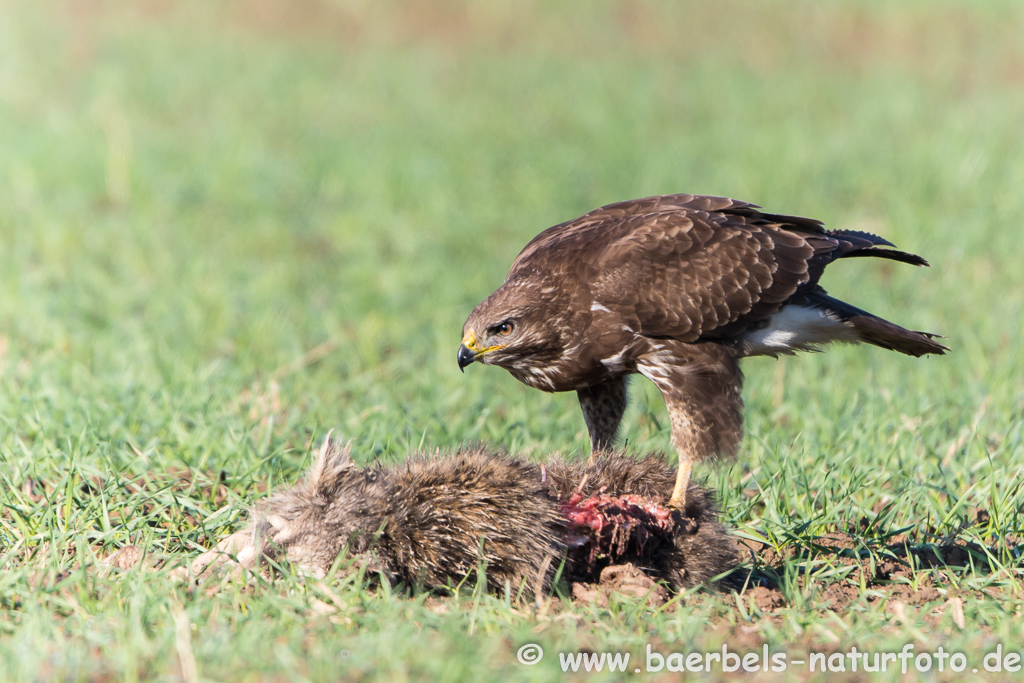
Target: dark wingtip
869 236
891 254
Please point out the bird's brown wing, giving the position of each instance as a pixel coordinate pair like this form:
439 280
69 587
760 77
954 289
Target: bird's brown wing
597 228
684 266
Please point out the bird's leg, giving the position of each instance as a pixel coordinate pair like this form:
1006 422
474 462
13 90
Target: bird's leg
701 386
678 499
603 405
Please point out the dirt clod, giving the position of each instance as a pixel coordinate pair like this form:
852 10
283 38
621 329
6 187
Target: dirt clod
125 558
622 579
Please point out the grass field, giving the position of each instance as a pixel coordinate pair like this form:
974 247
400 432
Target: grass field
226 229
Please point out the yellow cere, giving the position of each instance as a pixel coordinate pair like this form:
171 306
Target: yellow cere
469 341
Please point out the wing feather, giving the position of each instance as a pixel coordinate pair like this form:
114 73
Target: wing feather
688 267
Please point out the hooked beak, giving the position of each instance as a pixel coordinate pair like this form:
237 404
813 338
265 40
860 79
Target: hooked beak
466 356
470 351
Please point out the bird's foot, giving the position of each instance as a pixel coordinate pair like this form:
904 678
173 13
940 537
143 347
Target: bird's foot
677 503
683 524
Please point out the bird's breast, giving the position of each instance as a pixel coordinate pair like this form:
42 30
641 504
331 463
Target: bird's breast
576 368
546 377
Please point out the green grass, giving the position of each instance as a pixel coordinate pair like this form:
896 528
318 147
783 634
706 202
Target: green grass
195 198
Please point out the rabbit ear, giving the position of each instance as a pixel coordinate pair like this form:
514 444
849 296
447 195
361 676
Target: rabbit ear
332 462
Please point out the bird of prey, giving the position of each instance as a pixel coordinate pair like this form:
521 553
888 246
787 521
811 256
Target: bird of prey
677 288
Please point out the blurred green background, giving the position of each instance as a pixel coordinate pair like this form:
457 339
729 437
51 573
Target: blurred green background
227 227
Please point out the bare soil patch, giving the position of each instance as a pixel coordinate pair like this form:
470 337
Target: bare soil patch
895 571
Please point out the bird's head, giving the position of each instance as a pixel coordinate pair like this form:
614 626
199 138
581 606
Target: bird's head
511 328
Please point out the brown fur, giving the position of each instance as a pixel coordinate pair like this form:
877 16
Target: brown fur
448 514
430 521
435 519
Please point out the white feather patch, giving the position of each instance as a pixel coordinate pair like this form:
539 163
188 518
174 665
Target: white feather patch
798 328
614 363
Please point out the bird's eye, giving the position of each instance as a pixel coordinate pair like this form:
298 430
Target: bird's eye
505 328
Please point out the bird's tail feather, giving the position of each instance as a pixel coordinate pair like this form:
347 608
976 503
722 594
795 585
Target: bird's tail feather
878 331
881 332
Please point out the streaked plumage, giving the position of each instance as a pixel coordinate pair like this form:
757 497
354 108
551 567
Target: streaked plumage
677 288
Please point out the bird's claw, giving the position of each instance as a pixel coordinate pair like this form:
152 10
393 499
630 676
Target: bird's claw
683 524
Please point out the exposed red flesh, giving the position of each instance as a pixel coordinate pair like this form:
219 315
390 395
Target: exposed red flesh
614 527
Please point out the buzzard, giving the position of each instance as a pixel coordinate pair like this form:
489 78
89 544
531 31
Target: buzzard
677 288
